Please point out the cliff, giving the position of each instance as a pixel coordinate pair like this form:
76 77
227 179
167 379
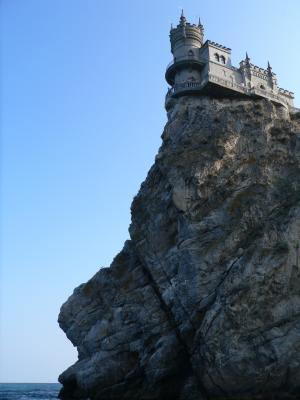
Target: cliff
203 302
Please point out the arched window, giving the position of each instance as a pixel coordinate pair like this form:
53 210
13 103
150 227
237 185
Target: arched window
222 59
190 53
262 87
217 57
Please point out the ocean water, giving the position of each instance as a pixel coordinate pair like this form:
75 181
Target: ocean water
29 391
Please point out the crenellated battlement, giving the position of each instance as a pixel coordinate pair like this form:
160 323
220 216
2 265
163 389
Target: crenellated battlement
286 92
185 37
220 46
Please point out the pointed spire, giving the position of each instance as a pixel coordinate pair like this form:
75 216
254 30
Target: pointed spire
270 69
247 59
182 18
171 26
199 22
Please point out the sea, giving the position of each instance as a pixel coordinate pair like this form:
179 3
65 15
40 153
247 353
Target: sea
29 391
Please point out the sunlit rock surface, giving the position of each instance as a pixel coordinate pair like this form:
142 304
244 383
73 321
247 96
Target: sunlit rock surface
204 301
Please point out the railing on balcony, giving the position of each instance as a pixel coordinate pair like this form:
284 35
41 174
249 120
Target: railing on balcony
227 83
269 95
253 91
185 86
197 85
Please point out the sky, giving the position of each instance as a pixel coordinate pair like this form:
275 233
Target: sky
82 112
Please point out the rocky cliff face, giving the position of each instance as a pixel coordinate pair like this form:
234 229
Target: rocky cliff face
204 301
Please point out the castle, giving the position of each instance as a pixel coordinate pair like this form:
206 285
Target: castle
205 67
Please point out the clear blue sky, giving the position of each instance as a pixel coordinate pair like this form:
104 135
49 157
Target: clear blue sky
82 112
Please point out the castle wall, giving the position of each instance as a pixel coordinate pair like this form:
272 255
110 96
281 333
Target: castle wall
287 98
223 72
204 53
187 74
259 79
219 70
214 52
204 72
183 49
238 77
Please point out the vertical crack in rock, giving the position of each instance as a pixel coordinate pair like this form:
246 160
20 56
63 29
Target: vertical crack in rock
173 325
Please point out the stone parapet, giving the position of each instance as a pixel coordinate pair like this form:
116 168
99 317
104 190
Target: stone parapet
286 92
227 83
197 87
219 46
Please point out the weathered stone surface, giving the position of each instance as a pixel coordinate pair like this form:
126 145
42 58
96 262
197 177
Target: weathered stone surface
204 301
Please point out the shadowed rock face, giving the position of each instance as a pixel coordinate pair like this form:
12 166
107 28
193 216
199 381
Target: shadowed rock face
204 301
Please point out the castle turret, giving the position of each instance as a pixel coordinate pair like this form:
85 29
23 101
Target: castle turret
272 78
186 40
245 68
186 37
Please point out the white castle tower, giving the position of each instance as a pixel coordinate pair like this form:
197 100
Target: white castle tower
205 67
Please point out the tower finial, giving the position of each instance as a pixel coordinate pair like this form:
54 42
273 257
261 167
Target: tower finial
199 22
182 18
270 69
247 58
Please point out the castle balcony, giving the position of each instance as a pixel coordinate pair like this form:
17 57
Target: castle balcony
214 85
179 63
182 89
185 87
